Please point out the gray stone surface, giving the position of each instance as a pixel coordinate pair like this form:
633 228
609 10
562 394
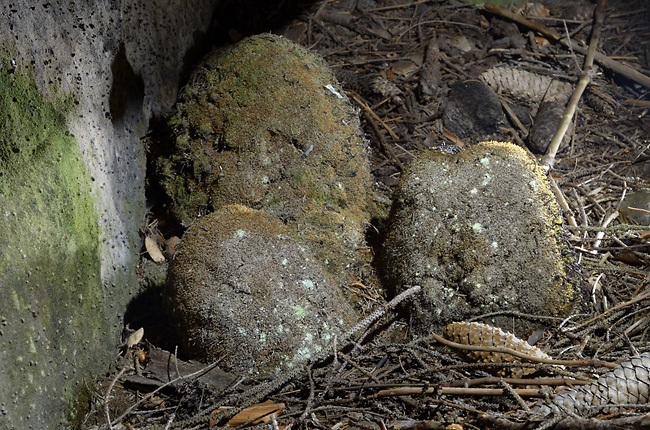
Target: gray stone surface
249 295
79 83
480 231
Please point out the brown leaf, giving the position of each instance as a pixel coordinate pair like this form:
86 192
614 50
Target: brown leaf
153 250
255 414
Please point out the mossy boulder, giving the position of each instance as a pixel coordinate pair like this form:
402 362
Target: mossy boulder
246 293
266 125
481 232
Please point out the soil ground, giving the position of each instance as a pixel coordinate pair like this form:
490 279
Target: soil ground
407 65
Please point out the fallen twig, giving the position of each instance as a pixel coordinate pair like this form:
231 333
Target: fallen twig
601 59
108 394
458 391
585 79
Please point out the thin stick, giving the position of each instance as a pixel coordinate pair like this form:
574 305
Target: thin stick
599 236
601 59
585 79
374 115
198 373
108 394
508 388
612 229
559 195
408 391
591 321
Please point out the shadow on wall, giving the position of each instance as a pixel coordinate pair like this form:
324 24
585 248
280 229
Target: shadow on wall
127 93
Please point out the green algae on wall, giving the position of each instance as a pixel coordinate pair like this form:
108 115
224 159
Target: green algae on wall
51 292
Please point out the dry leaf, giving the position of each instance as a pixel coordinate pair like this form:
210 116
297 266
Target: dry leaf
153 250
536 10
135 337
255 414
542 41
170 246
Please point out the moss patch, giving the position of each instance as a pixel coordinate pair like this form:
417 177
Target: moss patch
480 231
247 294
51 292
258 126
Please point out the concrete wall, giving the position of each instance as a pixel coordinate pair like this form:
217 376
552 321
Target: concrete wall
79 82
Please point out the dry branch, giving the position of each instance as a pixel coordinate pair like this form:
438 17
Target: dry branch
601 59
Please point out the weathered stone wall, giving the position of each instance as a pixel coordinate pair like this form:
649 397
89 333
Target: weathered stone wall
79 82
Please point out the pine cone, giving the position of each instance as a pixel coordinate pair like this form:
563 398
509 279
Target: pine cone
627 384
484 335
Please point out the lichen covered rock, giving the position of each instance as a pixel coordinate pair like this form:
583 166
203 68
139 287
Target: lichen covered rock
480 231
266 125
246 293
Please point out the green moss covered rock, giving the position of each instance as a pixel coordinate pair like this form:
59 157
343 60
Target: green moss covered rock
246 293
266 125
480 231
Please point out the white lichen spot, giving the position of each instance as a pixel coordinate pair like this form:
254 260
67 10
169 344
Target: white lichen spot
477 227
284 261
485 161
265 180
486 180
473 191
262 337
303 354
495 245
240 233
308 284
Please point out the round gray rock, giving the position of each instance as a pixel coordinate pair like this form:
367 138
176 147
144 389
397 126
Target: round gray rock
246 293
480 231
